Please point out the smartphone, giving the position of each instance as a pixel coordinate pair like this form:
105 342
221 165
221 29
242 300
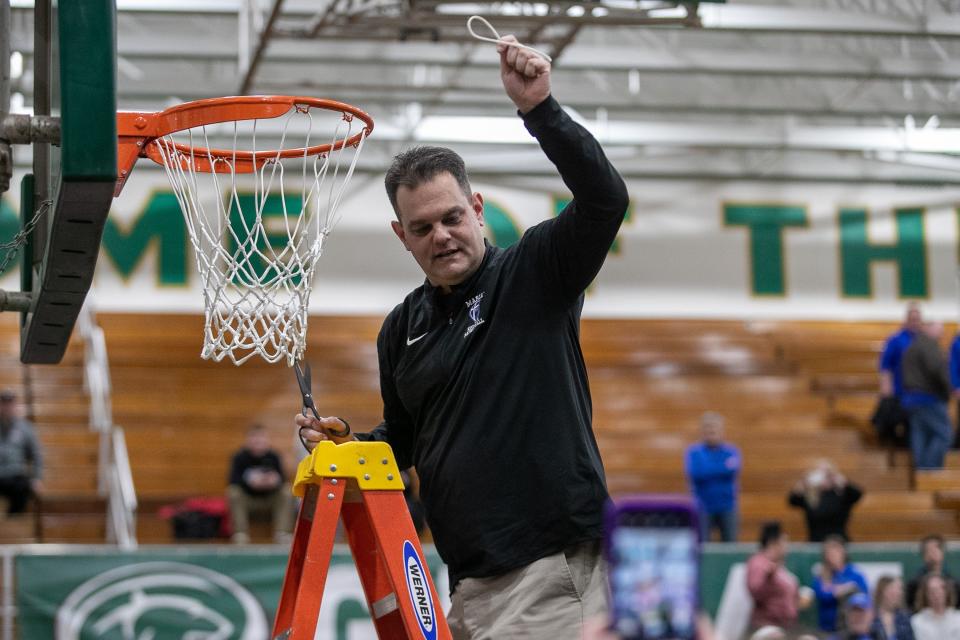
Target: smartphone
653 551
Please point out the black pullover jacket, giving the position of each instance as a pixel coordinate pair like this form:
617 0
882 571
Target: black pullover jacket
485 390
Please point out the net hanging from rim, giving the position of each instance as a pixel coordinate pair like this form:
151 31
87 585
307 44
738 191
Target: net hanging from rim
258 219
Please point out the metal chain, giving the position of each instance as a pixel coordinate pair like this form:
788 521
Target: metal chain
12 247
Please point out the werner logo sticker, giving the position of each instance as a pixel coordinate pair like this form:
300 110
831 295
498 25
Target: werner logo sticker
419 589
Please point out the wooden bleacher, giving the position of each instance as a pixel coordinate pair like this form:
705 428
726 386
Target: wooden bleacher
70 509
792 392
776 385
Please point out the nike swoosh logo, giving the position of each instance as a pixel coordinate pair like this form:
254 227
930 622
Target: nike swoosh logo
410 341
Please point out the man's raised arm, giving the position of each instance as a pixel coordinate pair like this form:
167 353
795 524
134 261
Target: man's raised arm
584 168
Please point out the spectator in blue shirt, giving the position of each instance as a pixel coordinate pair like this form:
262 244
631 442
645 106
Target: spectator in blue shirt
835 582
889 417
712 468
891 380
926 391
955 382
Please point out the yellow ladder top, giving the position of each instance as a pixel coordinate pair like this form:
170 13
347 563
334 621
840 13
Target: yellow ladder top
371 464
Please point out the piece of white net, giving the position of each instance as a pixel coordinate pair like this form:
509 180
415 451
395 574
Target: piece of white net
257 236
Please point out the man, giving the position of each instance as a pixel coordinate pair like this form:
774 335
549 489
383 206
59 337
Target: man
256 484
775 590
483 381
933 549
926 390
21 459
712 468
889 418
858 614
891 383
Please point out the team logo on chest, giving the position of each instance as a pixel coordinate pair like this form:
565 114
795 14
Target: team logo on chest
473 310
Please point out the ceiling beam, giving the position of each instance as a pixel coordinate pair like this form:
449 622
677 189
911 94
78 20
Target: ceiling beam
736 18
798 20
609 58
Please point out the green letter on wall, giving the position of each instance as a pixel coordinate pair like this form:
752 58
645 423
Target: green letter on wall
9 222
161 220
253 266
908 252
766 223
503 230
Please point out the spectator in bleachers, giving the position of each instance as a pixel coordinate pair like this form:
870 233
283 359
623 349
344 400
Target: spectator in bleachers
955 383
774 589
858 620
936 619
712 468
891 618
827 498
890 418
21 458
933 551
926 391
836 580
891 383
257 484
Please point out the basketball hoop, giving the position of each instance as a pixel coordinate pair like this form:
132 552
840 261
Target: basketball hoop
256 240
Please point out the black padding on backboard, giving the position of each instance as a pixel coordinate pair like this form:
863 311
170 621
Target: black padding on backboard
79 215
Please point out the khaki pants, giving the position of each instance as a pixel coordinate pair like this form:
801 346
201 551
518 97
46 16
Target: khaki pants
549 598
278 503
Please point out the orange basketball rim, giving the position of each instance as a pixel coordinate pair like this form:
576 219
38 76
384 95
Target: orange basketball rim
138 132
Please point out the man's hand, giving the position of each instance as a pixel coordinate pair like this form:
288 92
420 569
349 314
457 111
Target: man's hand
886 384
37 486
525 75
313 431
267 480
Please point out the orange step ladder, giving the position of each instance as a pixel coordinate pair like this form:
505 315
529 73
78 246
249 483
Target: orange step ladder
361 482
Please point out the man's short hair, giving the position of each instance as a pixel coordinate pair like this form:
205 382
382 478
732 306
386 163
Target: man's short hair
836 538
418 165
933 537
770 532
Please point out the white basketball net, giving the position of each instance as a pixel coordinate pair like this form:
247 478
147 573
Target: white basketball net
256 240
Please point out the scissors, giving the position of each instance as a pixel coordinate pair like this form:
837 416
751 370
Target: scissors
303 379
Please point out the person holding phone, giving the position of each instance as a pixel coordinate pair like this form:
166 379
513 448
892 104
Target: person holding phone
827 498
